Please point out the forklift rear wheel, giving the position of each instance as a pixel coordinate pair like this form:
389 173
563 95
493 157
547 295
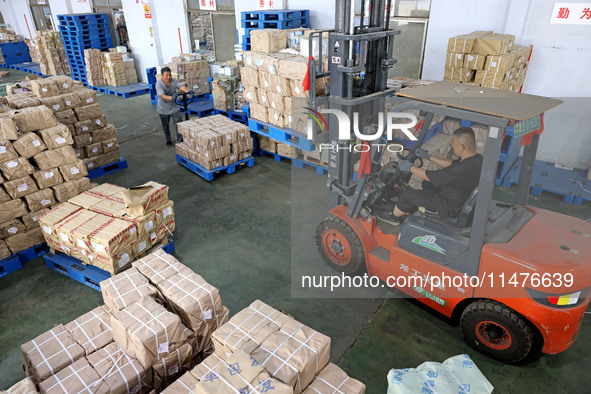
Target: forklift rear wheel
340 246
497 331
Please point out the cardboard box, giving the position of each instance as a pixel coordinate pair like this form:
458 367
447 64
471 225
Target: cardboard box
47 178
103 134
473 62
57 136
111 243
33 118
11 228
71 100
214 154
110 145
492 45
28 145
247 329
86 200
106 190
88 112
459 74
183 385
159 266
55 103
66 117
93 150
172 366
75 378
277 118
499 63
40 199
64 83
251 93
55 157
461 44
295 67
86 96
7 151
20 187
121 373
51 219
489 78
196 302
141 199
146 331
239 374
92 330
332 376
8 129
249 76
268 40
259 112
125 288
51 352
284 353
24 240
25 386
74 170
67 190
44 87
16 168
4 251
30 220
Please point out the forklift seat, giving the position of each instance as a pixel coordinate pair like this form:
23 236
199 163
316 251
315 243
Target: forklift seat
466 214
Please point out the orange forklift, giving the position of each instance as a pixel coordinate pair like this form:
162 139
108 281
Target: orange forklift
518 277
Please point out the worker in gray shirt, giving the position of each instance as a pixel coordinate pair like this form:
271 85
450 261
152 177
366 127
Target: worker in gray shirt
167 91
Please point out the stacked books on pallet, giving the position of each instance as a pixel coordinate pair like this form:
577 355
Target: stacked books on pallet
47 49
109 226
484 58
271 19
155 324
38 164
80 32
76 108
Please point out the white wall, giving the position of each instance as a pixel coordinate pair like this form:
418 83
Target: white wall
59 7
170 16
14 13
558 68
80 6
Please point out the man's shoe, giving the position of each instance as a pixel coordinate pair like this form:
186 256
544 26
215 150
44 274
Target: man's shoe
389 217
168 143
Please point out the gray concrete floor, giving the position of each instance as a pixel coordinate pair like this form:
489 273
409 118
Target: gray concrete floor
248 234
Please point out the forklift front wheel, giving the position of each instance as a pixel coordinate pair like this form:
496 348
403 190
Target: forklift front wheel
340 246
497 331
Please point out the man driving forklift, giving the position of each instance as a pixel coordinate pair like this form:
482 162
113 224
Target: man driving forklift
446 190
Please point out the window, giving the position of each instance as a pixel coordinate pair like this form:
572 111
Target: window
41 14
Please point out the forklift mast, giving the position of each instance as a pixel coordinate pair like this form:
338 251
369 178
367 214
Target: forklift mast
359 58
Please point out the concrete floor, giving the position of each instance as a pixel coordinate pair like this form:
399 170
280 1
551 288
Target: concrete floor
248 234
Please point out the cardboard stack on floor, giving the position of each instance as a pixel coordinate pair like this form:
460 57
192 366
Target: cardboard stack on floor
49 52
132 343
94 140
94 67
7 35
484 58
214 141
38 165
273 83
110 226
118 67
188 69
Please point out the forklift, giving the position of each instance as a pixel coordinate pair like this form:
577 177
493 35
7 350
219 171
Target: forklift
528 269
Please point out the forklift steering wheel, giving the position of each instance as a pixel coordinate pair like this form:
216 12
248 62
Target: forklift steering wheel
412 158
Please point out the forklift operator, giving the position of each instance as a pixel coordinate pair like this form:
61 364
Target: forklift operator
445 190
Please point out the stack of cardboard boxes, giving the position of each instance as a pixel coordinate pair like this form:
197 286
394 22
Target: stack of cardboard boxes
192 71
484 58
38 167
214 141
50 53
110 226
94 67
133 343
227 90
75 107
7 35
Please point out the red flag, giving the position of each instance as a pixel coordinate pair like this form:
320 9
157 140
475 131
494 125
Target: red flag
365 160
306 83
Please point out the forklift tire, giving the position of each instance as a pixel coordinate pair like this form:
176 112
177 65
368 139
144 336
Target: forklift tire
497 331
339 246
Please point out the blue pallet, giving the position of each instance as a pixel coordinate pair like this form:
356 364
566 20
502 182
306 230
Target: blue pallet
246 39
29 67
270 15
320 169
208 175
108 169
151 73
246 47
88 275
33 252
10 264
238 116
82 17
132 90
287 136
202 107
285 24
546 177
15 52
